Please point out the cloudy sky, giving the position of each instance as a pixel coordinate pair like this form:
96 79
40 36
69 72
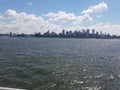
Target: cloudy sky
29 16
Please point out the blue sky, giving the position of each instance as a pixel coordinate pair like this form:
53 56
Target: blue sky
55 15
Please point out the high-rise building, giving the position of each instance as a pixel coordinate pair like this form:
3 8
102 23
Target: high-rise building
63 32
10 34
93 31
88 31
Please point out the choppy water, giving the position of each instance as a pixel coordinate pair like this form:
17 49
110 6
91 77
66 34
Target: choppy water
60 64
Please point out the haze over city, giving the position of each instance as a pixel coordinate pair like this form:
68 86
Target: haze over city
30 16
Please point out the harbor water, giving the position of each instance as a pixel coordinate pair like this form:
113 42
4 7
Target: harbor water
60 63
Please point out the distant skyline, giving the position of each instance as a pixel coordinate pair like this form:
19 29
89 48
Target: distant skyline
31 16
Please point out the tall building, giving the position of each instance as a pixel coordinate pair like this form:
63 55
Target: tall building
10 34
83 30
101 33
88 31
63 32
93 31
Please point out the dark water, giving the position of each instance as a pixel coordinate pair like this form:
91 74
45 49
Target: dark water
60 64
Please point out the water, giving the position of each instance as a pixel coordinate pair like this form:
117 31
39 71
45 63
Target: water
60 64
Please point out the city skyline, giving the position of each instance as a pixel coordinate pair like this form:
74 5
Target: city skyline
84 33
28 16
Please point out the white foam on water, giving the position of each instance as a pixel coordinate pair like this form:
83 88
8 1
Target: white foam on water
6 88
92 88
99 76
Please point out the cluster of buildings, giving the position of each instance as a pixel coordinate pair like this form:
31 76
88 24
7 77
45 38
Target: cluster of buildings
67 34
75 34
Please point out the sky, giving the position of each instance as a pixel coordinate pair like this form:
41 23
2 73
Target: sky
30 16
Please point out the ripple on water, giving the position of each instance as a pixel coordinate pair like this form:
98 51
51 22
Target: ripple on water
92 88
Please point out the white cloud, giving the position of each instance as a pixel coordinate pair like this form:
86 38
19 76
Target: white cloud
22 22
95 9
62 16
80 19
10 13
29 3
